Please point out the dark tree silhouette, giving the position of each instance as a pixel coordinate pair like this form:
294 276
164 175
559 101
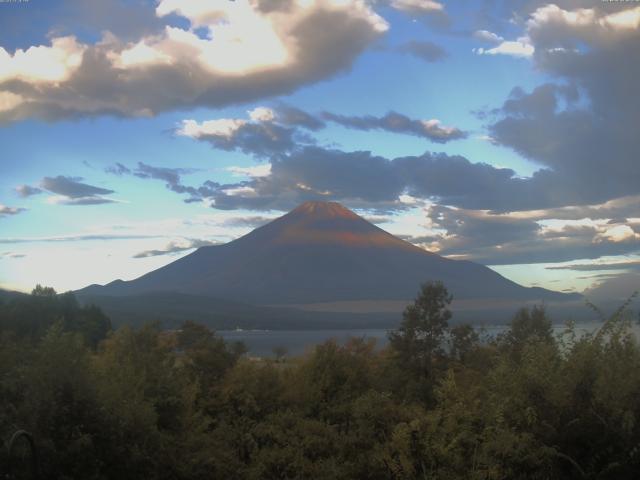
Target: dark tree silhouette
420 337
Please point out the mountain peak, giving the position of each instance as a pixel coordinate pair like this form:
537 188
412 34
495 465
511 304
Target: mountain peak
324 209
326 223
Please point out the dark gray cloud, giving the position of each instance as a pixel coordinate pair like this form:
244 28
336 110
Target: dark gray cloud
73 191
72 187
583 127
118 169
171 176
310 173
272 133
427 51
260 139
363 180
292 116
27 190
317 173
501 239
94 200
6 211
268 6
398 123
175 247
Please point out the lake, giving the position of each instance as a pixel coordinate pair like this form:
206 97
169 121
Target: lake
261 343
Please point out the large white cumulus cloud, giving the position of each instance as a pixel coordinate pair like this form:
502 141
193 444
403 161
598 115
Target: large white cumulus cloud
231 52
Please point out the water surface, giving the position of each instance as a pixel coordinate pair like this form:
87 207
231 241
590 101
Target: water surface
261 343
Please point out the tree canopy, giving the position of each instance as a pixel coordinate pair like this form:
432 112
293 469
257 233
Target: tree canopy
438 403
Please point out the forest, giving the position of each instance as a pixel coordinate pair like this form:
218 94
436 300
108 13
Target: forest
439 402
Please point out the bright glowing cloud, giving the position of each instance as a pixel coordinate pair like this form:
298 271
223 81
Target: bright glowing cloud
262 114
257 171
55 63
417 6
224 127
519 48
247 52
487 36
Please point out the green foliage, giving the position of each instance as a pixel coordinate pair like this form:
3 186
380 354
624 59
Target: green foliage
31 316
184 404
424 324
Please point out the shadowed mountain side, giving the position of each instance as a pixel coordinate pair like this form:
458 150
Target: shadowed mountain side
172 309
320 252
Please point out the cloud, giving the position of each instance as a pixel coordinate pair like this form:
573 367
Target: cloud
452 180
127 19
398 123
378 219
271 133
518 48
417 6
27 190
581 129
12 255
430 12
427 51
261 138
230 52
246 222
292 116
505 239
72 238
118 169
175 247
71 191
171 176
42 65
262 114
619 287
71 187
594 267
487 36
367 181
255 171
6 211
93 200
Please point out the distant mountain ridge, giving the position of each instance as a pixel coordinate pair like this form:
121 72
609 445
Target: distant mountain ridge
7 295
320 252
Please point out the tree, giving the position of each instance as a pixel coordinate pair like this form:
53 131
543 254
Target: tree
41 291
463 340
280 352
420 337
528 325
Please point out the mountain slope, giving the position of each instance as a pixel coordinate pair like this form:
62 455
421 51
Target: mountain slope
320 252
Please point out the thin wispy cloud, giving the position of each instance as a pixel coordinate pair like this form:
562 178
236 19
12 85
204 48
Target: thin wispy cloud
6 211
176 247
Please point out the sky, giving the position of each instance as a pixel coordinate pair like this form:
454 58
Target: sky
502 132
